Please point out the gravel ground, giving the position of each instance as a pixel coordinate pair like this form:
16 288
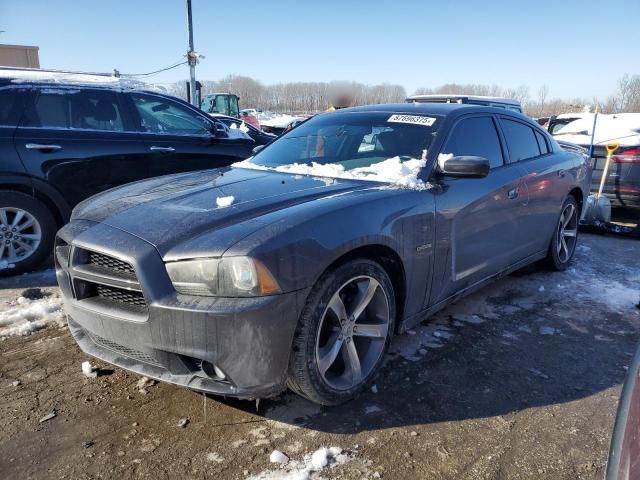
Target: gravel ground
520 380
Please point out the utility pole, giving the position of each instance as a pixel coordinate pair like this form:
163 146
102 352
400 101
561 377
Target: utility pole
192 58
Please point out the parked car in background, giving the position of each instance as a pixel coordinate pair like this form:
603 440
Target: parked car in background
296 268
498 102
259 136
66 139
556 122
622 185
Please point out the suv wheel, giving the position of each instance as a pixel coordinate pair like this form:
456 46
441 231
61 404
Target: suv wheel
27 230
343 333
565 237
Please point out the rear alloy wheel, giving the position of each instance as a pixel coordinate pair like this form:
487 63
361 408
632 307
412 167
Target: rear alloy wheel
343 333
26 233
563 244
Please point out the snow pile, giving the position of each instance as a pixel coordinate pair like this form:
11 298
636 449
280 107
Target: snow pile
401 173
305 469
30 315
242 127
225 201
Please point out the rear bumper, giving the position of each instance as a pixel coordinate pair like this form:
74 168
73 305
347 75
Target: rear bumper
248 339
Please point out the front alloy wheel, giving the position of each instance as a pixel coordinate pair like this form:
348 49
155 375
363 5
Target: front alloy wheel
352 332
343 332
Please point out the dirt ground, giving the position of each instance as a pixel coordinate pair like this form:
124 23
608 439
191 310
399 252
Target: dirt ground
520 380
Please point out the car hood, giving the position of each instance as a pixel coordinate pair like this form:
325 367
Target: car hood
169 210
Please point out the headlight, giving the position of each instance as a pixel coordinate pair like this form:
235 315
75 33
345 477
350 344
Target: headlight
222 277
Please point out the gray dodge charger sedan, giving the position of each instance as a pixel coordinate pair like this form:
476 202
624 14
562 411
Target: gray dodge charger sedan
295 268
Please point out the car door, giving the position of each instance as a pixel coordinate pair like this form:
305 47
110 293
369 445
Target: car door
178 138
476 218
75 140
545 181
12 101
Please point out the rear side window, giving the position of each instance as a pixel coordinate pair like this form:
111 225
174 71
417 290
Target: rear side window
521 140
477 137
542 143
75 109
10 106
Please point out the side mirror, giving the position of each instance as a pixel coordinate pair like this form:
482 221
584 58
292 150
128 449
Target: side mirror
257 148
218 130
465 167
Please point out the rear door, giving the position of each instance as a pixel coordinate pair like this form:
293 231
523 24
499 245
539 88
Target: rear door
176 138
546 180
477 218
75 140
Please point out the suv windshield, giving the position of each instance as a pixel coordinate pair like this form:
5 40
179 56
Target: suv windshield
352 140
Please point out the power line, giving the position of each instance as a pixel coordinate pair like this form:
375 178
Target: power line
184 62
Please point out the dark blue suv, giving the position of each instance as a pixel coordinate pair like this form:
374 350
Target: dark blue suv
61 142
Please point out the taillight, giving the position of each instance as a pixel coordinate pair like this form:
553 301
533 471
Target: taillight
627 156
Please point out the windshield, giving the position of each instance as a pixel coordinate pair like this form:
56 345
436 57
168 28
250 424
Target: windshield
352 140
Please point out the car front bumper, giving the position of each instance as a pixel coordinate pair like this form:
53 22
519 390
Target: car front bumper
173 338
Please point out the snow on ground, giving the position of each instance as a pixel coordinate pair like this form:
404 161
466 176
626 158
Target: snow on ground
308 468
27 316
401 173
225 201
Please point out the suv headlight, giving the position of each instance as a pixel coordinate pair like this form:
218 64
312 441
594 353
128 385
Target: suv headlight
222 277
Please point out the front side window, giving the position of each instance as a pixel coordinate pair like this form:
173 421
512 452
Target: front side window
352 140
159 115
476 137
521 140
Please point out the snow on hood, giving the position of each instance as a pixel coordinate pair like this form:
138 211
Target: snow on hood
398 172
277 120
623 128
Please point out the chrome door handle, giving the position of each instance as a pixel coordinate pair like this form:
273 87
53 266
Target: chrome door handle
40 146
513 193
162 149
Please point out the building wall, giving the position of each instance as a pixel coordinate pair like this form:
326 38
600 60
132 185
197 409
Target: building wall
19 56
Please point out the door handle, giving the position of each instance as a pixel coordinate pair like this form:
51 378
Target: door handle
40 146
561 173
162 149
513 193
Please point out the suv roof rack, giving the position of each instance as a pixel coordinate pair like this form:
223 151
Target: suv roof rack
115 72
455 98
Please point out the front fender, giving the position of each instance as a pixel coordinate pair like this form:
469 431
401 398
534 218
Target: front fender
300 242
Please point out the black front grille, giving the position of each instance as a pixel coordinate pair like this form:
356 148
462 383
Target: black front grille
109 263
120 295
123 350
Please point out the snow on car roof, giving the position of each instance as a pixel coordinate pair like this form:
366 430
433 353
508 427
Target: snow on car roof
68 78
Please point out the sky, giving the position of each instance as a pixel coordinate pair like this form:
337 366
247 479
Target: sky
576 48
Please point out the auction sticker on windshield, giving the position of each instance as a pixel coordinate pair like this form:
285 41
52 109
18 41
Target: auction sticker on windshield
414 119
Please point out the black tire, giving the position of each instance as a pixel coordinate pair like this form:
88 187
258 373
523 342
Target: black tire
304 376
557 258
47 225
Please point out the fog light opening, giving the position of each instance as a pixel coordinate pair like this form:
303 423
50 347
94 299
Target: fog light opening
213 371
